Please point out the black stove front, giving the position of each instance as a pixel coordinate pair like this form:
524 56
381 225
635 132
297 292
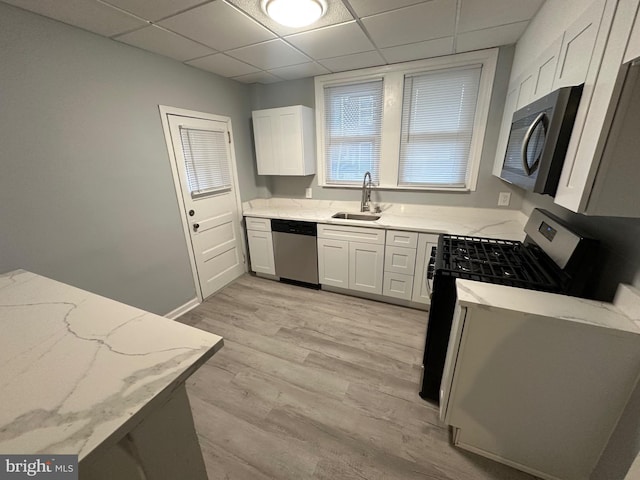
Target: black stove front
484 260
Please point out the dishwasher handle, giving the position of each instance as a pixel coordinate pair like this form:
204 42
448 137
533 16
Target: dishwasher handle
294 226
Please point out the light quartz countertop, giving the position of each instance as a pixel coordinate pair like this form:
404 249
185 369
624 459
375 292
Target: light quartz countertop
481 222
78 370
623 314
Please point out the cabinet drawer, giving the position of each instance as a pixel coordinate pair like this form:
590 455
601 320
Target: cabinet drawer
399 260
261 224
354 234
397 285
402 239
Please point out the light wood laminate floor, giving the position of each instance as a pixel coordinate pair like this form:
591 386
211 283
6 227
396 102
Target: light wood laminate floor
317 385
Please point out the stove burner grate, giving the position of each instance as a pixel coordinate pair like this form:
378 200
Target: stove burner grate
496 261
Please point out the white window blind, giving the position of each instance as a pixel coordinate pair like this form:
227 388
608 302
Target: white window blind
353 132
438 116
206 162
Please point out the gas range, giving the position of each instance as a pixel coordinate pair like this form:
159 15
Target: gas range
553 258
490 260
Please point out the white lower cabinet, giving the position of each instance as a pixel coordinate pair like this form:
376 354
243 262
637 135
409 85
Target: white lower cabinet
537 392
333 262
261 251
260 245
421 284
351 257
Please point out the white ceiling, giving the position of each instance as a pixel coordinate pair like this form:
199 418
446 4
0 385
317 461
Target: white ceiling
235 39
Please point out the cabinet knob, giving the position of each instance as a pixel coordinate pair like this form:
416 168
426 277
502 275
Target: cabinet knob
196 226
192 213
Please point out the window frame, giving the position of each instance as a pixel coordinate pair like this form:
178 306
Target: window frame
393 85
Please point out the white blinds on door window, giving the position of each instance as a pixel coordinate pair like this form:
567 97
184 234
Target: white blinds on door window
206 161
438 114
353 132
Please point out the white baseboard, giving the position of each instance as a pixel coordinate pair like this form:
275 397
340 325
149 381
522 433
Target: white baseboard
182 309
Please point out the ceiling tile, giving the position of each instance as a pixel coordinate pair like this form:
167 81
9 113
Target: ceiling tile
223 65
336 13
332 41
259 77
477 14
154 9
364 8
269 55
158 40
420 50
218 25
424 21
87 14
303 70
354 61
490 37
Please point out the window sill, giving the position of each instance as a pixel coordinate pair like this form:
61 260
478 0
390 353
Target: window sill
398 188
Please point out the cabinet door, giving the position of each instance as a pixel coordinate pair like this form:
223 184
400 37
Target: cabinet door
366 261
261 251
421 285
289 142
545 69
526 88
265 131
333 262
577 47
633 47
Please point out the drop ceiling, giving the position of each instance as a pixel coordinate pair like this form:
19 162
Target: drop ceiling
235 39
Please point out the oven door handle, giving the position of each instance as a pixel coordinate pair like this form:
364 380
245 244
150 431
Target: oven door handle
529 169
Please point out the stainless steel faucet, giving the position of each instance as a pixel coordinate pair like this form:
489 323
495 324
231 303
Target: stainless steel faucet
366 193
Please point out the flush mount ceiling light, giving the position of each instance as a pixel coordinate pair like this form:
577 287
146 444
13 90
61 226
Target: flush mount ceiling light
294 13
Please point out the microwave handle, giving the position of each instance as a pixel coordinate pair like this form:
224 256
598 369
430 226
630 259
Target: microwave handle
525 145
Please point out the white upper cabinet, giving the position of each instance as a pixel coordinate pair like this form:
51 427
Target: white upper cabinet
578 44
633 48
285 141
599 177
571 45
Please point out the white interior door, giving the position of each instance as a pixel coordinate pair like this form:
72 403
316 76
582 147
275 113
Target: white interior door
203 154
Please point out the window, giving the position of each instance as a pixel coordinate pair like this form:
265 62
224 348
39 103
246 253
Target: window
353 131
207 164
416 125
438 112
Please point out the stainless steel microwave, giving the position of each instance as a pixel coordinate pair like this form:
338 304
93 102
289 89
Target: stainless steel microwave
538 141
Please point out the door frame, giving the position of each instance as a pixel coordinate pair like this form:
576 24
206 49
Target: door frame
165 111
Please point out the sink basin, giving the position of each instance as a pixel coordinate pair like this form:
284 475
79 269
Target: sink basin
356 216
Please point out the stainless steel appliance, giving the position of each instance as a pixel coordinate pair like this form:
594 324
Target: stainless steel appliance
552 258
295 250
538 141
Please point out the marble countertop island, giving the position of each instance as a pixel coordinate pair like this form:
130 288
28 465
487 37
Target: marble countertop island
78 370
481 222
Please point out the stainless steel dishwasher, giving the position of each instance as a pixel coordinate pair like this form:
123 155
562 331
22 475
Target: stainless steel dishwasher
295 250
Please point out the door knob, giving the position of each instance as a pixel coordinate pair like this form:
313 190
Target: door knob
196 226
191 213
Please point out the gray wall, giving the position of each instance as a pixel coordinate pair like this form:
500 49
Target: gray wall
618 260
86 192
301 92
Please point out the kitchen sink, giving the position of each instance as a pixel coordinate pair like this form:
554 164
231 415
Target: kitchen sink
356 216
